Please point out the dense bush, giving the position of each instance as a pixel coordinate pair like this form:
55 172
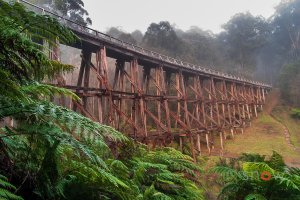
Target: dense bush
51 152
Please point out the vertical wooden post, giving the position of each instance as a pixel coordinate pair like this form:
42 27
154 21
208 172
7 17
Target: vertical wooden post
85 56
86 78
199 143
202 98
181 143
210 102
207 141
165 100
133 83
263 94
213 91
142 105
221 141
232 132
158 103
178 98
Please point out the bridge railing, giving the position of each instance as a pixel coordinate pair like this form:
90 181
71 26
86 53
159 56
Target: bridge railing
78 27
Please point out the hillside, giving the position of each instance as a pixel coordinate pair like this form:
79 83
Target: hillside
274 129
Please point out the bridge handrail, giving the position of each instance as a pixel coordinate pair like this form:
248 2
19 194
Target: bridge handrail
141 50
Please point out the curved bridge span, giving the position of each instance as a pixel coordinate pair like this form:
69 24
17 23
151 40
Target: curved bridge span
156 99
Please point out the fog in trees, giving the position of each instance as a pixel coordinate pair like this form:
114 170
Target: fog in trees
249 46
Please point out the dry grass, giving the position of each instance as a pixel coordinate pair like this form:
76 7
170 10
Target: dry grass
264 136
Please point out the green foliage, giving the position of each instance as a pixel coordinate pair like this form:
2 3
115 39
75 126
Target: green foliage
72 9
5 190
276 162
163 37
54 153
295 113
267 179
289 83
252 157
164 174
22 59
255 197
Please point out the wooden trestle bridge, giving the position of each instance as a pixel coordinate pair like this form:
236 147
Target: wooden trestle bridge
157 99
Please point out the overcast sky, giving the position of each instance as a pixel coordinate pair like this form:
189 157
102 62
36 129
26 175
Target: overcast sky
138 14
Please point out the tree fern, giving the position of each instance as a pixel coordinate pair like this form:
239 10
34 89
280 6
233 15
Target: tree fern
5 190
64 154
20 56
247 183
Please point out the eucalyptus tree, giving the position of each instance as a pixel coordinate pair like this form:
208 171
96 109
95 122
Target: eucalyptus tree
244 35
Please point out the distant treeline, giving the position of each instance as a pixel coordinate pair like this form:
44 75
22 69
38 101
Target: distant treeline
250 46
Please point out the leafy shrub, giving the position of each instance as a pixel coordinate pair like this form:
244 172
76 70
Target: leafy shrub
295 113
270 179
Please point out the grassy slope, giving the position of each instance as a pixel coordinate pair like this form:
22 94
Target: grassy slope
282 114
267 134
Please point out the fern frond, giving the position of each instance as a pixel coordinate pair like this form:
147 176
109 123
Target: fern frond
5 190
175 160
151 193
226 172
293 171
255 197
276 162
289 182
9 88
257 167
68 120
230 189
37 90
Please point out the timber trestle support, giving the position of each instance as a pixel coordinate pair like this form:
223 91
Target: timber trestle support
154 98
157 105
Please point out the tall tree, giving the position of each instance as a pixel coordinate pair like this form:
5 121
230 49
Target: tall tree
162 37
117 32
73 9
286 25
244 35
138 36
202 46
